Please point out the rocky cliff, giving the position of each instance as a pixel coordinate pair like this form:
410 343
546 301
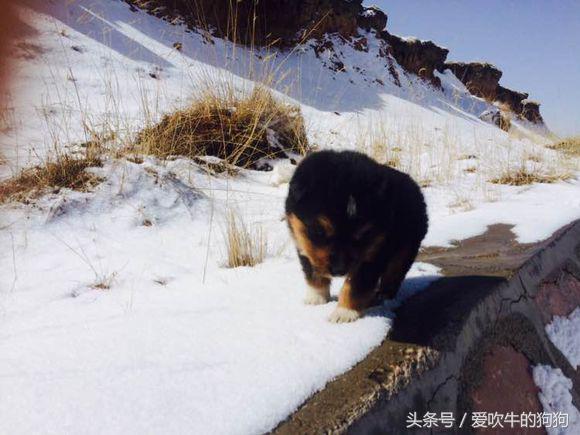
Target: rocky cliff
482 80
285 23
419 57
273 22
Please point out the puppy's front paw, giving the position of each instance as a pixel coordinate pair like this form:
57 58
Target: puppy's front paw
314 298
343 315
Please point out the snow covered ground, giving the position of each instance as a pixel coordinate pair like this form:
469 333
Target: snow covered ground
556 400
565 334
176 340
555 388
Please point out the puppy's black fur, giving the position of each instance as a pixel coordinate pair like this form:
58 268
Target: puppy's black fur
350 215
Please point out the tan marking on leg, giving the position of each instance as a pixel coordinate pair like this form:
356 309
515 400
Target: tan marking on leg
317 256
346 299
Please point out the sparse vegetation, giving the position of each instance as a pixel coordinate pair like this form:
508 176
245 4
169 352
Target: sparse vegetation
244 246
523 176
461 203
62 171
534 158
569 146
104 282
241 130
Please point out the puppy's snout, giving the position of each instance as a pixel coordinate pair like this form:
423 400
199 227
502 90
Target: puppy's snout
338 264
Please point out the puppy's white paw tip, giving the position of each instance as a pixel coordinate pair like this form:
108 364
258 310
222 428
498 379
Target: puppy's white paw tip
315 299
343 315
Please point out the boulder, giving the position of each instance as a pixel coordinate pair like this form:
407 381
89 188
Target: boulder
372 18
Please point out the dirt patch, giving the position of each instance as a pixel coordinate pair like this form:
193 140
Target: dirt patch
494 253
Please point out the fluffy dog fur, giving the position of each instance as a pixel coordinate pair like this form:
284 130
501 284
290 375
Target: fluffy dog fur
349 215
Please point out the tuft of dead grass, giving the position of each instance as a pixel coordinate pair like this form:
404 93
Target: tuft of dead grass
244 247
239 130
104 282
522 176
569 146
63 171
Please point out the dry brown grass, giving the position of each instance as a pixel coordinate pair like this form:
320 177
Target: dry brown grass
244 247
62 171
569 146
240 130
104 282
522 176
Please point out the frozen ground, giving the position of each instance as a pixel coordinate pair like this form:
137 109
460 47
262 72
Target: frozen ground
178 342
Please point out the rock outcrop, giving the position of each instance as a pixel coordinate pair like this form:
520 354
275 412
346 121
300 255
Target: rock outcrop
531 111
273 22
481 79
419 57
372 18
511 99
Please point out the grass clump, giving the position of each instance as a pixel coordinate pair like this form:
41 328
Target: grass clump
64 171
569 146
240 130
244 247
523 176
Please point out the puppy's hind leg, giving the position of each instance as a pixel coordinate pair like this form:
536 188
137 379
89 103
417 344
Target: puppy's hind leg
396 270
318 286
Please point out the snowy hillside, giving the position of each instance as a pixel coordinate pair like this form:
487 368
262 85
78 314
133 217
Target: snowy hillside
117 314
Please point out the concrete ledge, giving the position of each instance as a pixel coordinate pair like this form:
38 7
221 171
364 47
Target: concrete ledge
470 338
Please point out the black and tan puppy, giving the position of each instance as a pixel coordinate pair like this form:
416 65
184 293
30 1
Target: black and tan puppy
351 216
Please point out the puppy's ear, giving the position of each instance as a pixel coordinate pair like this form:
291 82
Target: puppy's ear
351 207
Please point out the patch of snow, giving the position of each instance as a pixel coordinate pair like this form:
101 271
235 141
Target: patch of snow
369 12
536 212
556 398
177 343
565 334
